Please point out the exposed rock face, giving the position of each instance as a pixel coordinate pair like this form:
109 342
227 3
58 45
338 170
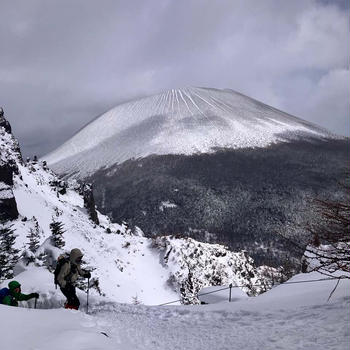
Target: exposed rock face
8 206
89 201
3 122
8 156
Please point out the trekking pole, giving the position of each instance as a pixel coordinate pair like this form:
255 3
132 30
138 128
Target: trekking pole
87 297
229 298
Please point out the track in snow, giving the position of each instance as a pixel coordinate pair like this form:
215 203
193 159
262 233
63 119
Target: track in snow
312 327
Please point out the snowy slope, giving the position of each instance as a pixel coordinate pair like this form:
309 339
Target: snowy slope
288 317
118 268
183 121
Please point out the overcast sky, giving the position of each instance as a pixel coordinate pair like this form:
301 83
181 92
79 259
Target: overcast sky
64 62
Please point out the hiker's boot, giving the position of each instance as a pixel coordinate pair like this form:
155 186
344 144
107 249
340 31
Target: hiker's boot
72 307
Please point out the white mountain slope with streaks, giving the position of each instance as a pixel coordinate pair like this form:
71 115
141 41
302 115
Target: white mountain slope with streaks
184 121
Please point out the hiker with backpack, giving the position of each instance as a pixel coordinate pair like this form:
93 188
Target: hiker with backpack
67 272
12 295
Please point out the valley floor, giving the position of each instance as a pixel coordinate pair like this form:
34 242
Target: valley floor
295 316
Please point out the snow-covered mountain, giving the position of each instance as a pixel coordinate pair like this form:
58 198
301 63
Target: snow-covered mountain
210 164
127 265
183 121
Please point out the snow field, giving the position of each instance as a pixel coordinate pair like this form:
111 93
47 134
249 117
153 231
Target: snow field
288 317
50 329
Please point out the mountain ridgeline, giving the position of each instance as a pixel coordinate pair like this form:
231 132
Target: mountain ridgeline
209 164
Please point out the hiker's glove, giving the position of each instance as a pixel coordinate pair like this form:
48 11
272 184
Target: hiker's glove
34 295
87 274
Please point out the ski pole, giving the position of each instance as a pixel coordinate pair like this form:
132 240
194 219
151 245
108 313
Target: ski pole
87 296
35 303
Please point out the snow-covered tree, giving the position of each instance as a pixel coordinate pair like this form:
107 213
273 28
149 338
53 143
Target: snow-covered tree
34 237
57 234
8 253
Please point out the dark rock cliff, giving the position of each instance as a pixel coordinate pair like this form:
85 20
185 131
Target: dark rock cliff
8 167
89 201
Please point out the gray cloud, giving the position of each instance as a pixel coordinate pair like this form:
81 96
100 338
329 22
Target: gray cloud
62 63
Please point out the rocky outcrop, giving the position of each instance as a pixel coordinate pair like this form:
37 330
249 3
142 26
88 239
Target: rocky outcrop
194 265
8 205
8 154
4 123
89 201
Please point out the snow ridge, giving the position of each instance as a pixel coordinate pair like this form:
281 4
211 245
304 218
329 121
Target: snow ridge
178 121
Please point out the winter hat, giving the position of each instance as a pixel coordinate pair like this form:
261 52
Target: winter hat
13 285
75 254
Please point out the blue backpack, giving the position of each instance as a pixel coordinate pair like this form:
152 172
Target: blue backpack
4 292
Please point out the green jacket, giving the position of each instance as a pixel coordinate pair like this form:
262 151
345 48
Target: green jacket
13 298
